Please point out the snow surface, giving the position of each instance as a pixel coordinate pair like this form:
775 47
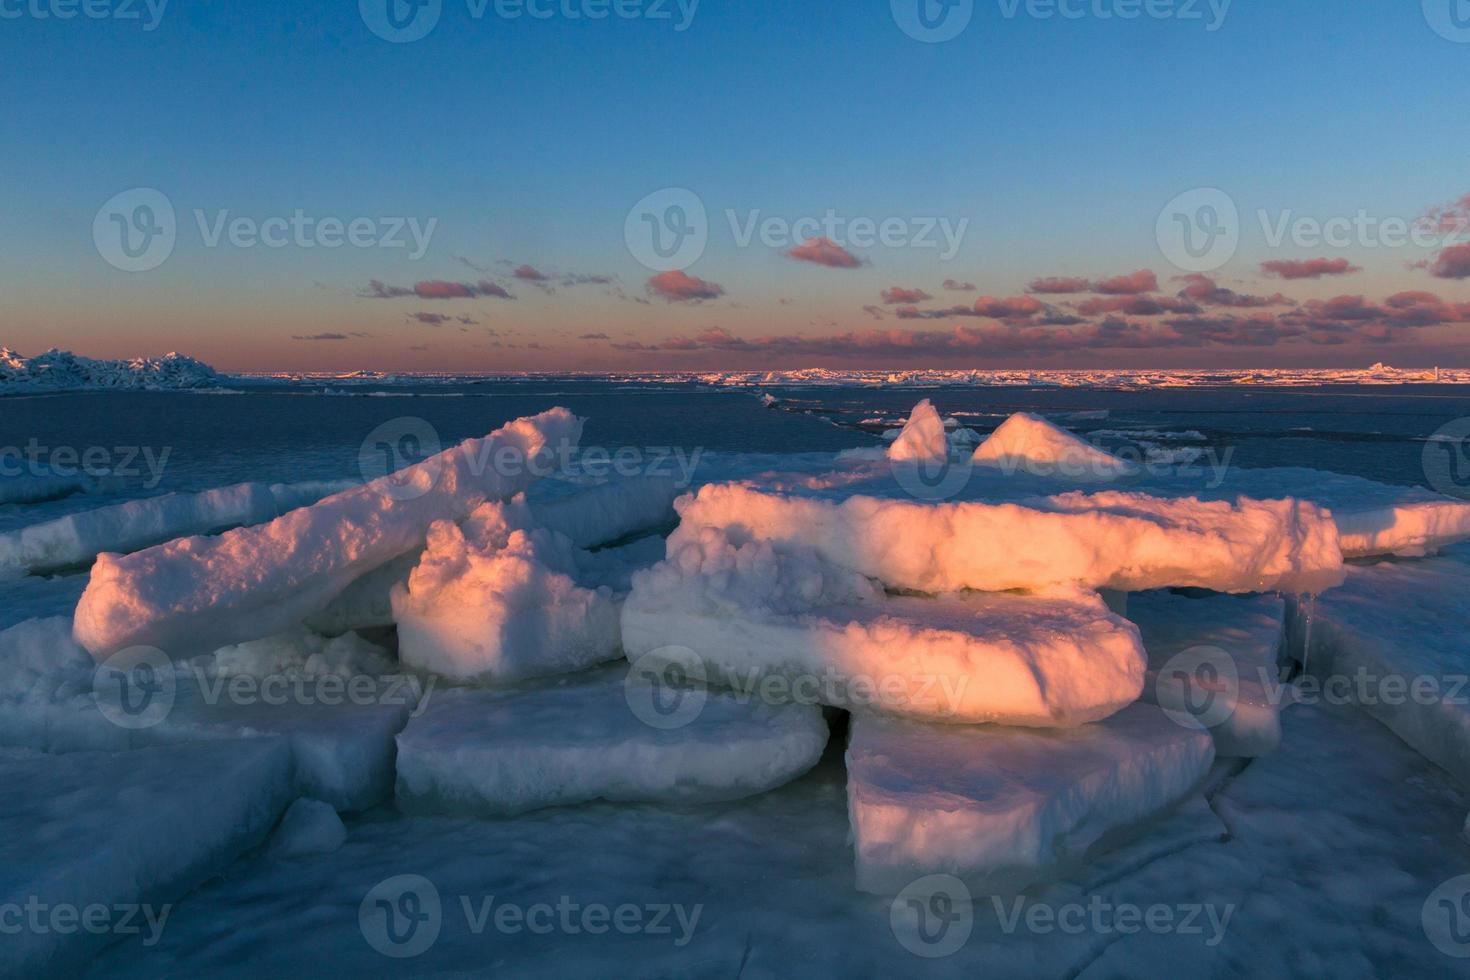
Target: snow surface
114 829
589 737
923 439
59 370
1227 646
1034 445
309 827
749 615
197 594
1003 808
495 601
1116 540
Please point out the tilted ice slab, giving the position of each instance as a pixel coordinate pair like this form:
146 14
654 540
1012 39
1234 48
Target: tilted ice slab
495 601
606 512
923 439
758 620
1114 540
1003 808
75 540
1218 659
1392 641
38 487
92 833
1031 444
598 736
199 594
337 704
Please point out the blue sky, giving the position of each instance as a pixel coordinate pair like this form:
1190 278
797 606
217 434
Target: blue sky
1057 139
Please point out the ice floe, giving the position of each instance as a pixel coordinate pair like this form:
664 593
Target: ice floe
1034 445
923 439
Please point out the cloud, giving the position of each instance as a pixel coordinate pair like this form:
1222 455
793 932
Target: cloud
680 287
1058 285
1014 310
824 251
321 336
898 294
1142 281
959 287
431 319
593 336
1136 305
1452 263
529 274
436 289
1204 290
1308 268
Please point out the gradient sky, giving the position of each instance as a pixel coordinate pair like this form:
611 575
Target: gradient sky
1058 139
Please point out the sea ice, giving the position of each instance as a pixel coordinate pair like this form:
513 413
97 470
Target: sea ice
1116 540
1217 658
598 736
1032 444
1003 808
35 488
309 827
495 601
108 831
923 439
601 514
197 594
751 617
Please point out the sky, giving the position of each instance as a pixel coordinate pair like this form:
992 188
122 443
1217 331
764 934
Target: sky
488 185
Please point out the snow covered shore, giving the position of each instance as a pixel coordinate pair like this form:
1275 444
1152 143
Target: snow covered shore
59 370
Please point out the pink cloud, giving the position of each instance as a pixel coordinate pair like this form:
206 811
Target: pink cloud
1057 285
528 273
824 251
898 294
1452 263
1135 305
676 286
1142 281
1308 268
959 287
1202 289
436 289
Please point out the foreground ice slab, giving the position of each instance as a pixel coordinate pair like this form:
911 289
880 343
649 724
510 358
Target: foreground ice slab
1003 808
589 737
1115 540
1031 444
1218 659
97 834
495 601
751 615
1392 641
337 704
197 594
607 512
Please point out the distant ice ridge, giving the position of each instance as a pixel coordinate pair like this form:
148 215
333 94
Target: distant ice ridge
196 594
59 370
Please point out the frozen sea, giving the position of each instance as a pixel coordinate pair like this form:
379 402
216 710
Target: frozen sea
1323 859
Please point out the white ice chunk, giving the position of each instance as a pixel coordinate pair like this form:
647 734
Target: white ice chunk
1217 658
198 594
923 438
1003 808
1392 641
119 829
309 827
1116 540
1034 445
604 513
582 738
39 487
751 616
495 601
